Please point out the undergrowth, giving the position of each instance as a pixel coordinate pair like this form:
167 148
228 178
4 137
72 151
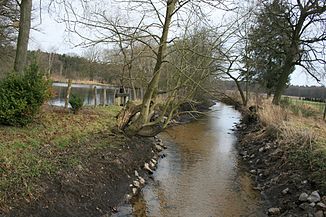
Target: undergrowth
56 140
300 135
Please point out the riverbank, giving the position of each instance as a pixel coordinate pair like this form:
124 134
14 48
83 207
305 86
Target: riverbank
69 165
285 154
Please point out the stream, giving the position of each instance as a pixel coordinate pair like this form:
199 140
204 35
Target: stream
201 174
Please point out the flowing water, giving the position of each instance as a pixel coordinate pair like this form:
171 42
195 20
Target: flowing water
201 175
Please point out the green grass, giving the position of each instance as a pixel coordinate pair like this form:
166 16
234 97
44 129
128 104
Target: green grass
57 139
304 107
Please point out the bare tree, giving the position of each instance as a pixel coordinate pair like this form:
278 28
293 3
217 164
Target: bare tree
93 55
154 21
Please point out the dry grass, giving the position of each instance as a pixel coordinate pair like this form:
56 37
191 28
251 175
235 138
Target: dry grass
273 115
303 138
58 78
293 127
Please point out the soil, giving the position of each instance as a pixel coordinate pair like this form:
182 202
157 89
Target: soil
279 180
94 188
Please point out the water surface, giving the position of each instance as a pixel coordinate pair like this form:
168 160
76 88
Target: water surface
201 175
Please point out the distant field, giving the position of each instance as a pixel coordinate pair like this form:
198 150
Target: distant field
315 107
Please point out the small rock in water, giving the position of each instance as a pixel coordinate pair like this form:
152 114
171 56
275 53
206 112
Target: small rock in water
163 155
141 180
136 173
314 197
155 157
158 148
136 184
114 210
146 167
303 197
128 197
134 191
274 211
152 165
321 205
285 191
154 161
261 149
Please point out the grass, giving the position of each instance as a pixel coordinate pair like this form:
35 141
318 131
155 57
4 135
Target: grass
304 107
57 139
301 135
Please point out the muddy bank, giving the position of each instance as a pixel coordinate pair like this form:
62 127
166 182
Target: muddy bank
287 186
96 185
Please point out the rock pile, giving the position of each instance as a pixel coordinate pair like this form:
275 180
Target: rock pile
149 168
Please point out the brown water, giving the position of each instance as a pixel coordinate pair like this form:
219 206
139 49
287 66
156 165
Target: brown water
201 175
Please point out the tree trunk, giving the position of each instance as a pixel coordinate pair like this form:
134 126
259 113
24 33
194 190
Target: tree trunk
132 85
147 102
243 97
126 114
281 85
104 96
23 35
68 93
95 96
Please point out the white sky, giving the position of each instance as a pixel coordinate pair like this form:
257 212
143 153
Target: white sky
51 37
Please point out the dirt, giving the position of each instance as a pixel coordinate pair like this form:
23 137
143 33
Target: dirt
279 180
95 186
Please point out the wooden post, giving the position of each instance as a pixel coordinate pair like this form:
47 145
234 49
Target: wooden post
114 97
95 100
68 93
104 96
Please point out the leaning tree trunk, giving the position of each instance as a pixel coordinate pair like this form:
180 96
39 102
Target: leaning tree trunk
23 35
243 97
141 125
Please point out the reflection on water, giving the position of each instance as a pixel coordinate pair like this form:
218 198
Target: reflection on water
86 92
200 175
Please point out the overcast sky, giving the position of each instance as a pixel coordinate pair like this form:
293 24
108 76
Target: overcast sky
51 37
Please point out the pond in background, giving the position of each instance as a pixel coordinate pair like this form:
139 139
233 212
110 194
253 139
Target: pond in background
87 93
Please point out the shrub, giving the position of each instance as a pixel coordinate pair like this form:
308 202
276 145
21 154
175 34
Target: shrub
21 96
76 103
